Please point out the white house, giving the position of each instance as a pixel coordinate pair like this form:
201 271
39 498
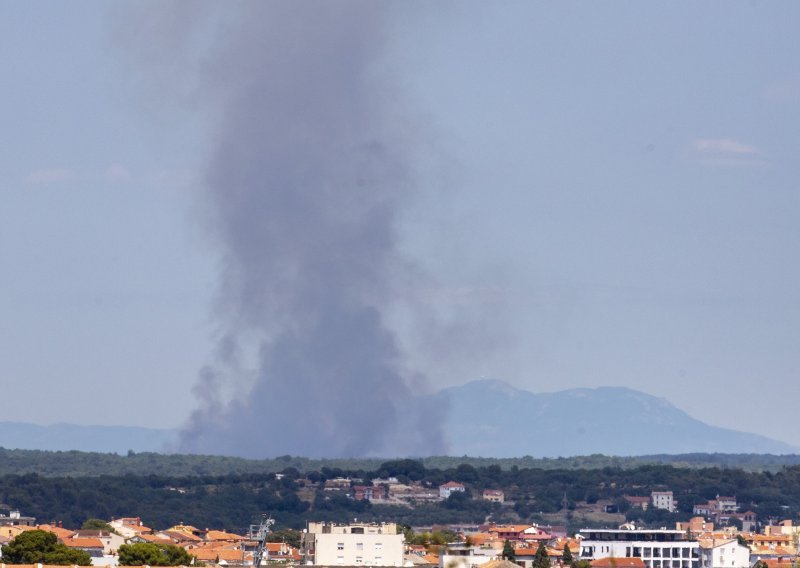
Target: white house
723 554
449 488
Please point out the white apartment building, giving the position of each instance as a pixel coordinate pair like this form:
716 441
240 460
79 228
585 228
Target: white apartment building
663 500
724 554
355 544
660 548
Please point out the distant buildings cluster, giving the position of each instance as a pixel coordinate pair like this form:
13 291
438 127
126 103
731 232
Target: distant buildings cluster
705 541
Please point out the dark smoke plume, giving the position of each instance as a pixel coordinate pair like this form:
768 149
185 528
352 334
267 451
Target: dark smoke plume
308 173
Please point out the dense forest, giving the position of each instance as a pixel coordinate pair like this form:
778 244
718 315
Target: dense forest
233 500
78 464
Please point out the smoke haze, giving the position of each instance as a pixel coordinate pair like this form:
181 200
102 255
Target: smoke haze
308 172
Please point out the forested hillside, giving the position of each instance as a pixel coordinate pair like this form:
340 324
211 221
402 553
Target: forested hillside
78 464
233 501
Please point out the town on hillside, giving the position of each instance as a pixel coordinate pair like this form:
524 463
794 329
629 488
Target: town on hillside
708 540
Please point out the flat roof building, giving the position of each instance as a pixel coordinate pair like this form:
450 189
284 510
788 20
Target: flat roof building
659 548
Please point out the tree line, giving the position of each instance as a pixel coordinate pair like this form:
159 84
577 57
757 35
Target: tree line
232 501
79 464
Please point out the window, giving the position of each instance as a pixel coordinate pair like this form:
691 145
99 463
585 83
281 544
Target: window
359 560
378 560
378 546
339 546
340 560
359 546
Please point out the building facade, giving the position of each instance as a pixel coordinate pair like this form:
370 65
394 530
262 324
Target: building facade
449 488
663 500
355 544
724 554
657 548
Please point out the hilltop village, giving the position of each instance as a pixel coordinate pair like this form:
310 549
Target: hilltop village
719 536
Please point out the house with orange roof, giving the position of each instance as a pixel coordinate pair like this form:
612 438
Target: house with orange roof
123 522
60 532
179 537
485 539
222 555
130 527
637 501
520 533
151 538
369 492
91 545
11 531
212 535
769 541
189 529
282 552
785 562
494 495
695 525
111 541
611 562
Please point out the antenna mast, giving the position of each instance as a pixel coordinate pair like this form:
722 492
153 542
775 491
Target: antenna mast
259 533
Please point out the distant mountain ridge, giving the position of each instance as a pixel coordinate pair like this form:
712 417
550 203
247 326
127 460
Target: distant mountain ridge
483 418
66 437
492 418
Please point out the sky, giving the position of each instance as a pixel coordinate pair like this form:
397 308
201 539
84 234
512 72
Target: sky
604 195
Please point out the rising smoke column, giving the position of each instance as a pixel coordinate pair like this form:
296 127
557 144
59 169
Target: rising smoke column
305 182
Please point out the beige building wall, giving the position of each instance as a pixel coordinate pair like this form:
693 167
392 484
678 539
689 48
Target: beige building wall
354 545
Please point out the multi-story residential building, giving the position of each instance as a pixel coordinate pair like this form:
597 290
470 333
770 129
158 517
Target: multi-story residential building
717 506
355 544
663 500
657 548
723 554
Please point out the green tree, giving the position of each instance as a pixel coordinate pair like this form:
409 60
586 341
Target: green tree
41 547
541 560
566 556
151 554
508 552
289 536
97 525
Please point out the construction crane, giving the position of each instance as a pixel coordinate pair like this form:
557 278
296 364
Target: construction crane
259 533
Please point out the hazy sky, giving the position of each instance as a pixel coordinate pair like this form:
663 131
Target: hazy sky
608 194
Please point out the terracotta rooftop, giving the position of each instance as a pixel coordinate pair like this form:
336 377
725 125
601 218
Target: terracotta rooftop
83 542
